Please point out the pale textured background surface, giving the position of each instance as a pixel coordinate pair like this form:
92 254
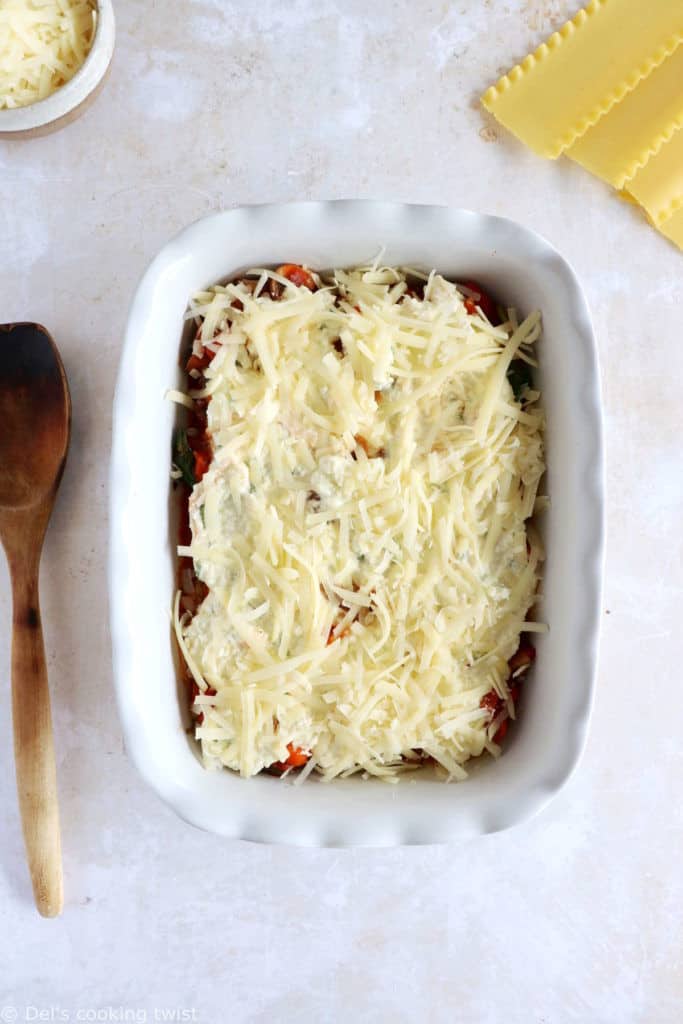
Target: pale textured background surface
573 917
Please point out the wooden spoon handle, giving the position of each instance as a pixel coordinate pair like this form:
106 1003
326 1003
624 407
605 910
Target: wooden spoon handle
33 744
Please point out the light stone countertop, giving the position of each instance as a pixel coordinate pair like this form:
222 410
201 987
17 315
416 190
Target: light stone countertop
574 917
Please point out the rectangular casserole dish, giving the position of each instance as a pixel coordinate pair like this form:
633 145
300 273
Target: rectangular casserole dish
523 270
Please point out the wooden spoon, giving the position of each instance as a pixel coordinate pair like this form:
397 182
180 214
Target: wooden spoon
35 425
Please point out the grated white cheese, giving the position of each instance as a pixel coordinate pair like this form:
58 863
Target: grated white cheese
43 43
362 527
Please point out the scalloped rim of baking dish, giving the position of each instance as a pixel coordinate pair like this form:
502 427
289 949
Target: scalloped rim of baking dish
546 743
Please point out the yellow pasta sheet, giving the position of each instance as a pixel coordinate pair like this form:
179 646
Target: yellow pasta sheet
673 228
580 72
637 127
658 186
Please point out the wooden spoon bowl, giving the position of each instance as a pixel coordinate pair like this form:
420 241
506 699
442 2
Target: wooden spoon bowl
35 412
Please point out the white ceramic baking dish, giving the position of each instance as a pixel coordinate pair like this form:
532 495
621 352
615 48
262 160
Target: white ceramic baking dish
544 746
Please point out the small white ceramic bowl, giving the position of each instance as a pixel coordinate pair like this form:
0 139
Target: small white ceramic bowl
545 744
67 102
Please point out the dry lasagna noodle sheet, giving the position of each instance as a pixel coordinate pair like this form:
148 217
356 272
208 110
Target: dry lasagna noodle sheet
623 141
673 228
658 186
577 76
607 89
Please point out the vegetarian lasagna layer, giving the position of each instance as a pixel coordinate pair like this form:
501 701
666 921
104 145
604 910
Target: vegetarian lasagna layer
361 461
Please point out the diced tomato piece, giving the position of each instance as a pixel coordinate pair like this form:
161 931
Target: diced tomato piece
491 701
523 656
197 362
502 731
297 759
202 461
200 362
481 298
297 275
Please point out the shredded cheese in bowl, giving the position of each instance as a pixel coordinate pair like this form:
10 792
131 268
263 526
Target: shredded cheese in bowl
362 464
43 43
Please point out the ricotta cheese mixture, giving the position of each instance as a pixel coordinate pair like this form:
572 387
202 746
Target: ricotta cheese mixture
364 452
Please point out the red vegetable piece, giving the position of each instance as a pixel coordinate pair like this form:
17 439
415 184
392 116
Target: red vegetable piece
480 297
491 701
502 731
202 461
198 362
299 276
523 656
297 759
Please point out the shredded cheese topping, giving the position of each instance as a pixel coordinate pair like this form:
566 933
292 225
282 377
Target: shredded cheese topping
362 528
43 43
